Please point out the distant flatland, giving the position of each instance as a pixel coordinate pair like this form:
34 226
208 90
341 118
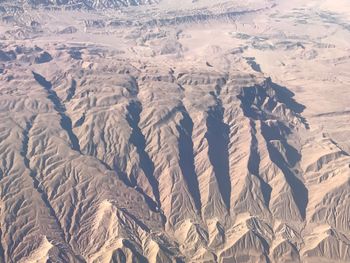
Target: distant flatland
174 131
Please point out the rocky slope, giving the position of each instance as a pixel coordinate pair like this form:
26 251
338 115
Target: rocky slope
132 144
76 4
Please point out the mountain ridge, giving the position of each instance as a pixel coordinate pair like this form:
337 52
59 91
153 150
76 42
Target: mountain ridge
208 132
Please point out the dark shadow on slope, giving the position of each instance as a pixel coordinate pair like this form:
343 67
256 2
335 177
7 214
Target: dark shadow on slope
80 122
286 96
137 257
186 156
121 174
254 164
42 58
179 260
342 151
137 221
61 257
256 95
118 256
71 90
299 191
279 132
169 115
7 56
38 186
218 139
266 247
2 252
253 96
65 122
252 100
139 141
132 183
75 53
253 64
